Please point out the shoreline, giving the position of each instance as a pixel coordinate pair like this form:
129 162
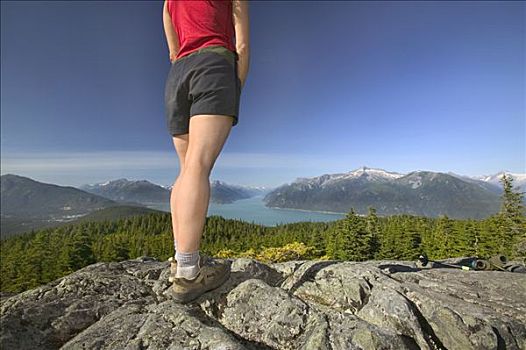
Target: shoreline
310 211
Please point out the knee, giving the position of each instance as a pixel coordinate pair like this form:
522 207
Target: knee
198 168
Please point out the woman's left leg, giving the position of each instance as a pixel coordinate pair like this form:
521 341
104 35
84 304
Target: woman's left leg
181 146
207 136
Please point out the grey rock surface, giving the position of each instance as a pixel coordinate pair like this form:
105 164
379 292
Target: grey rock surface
292 305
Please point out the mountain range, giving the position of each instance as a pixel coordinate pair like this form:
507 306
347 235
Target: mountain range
423 193
28 204
145 192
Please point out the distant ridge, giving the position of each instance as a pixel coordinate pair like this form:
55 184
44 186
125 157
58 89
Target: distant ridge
424 193
124 190
27 204
145 192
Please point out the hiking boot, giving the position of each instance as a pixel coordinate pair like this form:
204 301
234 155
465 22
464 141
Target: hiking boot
173 269
212 274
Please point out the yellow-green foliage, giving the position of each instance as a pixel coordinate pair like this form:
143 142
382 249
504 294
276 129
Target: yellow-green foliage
291 251
249 253
225 254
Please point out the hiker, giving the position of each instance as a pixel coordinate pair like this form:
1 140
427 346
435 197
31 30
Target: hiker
202 95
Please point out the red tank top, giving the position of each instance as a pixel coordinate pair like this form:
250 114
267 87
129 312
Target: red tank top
202 23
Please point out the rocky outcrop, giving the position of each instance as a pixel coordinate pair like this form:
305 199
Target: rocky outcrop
292 305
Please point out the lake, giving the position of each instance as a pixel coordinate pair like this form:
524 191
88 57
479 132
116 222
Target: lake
254 210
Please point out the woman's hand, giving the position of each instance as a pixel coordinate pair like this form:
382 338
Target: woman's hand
239 77
172 56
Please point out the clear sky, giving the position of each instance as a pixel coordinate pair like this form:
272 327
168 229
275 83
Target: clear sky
332 86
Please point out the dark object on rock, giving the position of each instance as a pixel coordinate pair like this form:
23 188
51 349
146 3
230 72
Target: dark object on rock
424 262
481 265
290 305
516 268
495 263
498 261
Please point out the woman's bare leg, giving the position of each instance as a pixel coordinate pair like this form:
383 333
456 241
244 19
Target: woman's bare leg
181 146
207 135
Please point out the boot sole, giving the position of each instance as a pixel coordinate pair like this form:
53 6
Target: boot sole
192 295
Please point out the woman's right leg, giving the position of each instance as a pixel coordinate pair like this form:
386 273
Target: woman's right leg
207 135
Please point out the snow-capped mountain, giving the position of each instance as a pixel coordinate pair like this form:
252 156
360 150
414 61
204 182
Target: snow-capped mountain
418 193
124 190
519 180
363 173
249 191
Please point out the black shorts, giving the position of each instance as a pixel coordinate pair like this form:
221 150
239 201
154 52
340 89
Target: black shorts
203 82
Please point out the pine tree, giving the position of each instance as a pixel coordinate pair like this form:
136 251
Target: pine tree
355 243
411 242
76 252
512 222
512 199
469 239
388 240
444 238
332 243
373 233
489 239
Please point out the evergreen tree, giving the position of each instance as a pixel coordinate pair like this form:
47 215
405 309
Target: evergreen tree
512 200
352 236
333 243
469 239
76 251
411 242
489 239
373 233
444 238
512 224
389 240
81 253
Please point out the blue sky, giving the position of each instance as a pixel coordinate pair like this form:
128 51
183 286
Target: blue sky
332 86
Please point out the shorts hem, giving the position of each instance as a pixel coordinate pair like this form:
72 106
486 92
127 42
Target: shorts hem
178 132
214 113
234 122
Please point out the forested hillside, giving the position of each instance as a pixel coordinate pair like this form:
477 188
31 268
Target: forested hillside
39 257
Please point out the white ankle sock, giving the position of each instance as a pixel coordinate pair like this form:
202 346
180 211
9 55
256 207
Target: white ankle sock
188 272
187 265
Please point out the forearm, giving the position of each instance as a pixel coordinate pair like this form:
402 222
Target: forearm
241 26
171 35
243 63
